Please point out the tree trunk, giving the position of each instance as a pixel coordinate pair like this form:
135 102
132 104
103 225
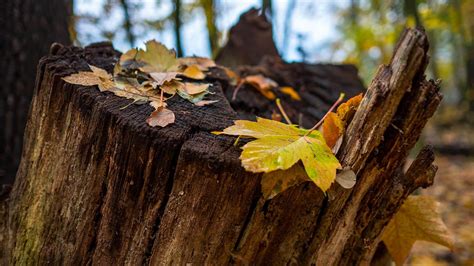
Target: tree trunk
27 29
97 185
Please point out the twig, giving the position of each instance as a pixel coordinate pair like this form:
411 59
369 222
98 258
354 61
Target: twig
341 97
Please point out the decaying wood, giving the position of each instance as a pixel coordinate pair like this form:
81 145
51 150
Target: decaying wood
98 185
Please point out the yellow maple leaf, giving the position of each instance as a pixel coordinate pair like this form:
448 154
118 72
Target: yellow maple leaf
98 77
279 146
417 219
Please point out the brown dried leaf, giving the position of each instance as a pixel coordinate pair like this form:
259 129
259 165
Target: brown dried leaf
98 77
417 219
262 84
201 62
161 117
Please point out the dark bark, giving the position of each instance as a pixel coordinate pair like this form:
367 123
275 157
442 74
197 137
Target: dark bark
27 29
97 185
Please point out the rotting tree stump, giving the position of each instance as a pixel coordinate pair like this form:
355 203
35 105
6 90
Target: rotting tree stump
97 185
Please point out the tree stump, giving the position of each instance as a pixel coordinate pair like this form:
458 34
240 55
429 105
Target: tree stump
97 185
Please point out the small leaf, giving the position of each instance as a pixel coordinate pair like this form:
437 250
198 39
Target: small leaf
97 77
262 84
332 129
161 117
203 102
278 181
291 92
193 72
417 219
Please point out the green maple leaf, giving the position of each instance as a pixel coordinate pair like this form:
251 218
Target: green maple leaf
279 146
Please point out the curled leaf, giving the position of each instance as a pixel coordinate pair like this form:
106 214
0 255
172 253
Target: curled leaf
161 117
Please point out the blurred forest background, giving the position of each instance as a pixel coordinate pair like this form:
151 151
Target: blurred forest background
359 32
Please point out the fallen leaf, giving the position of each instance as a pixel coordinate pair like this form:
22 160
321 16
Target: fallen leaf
332 129
278 181
279 146
205 102
193 72
346 110
202 63
98 77
417 219
162 77
161 117
262 84
291 92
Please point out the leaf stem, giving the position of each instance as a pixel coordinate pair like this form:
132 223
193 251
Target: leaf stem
282 111
234 95
341 97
